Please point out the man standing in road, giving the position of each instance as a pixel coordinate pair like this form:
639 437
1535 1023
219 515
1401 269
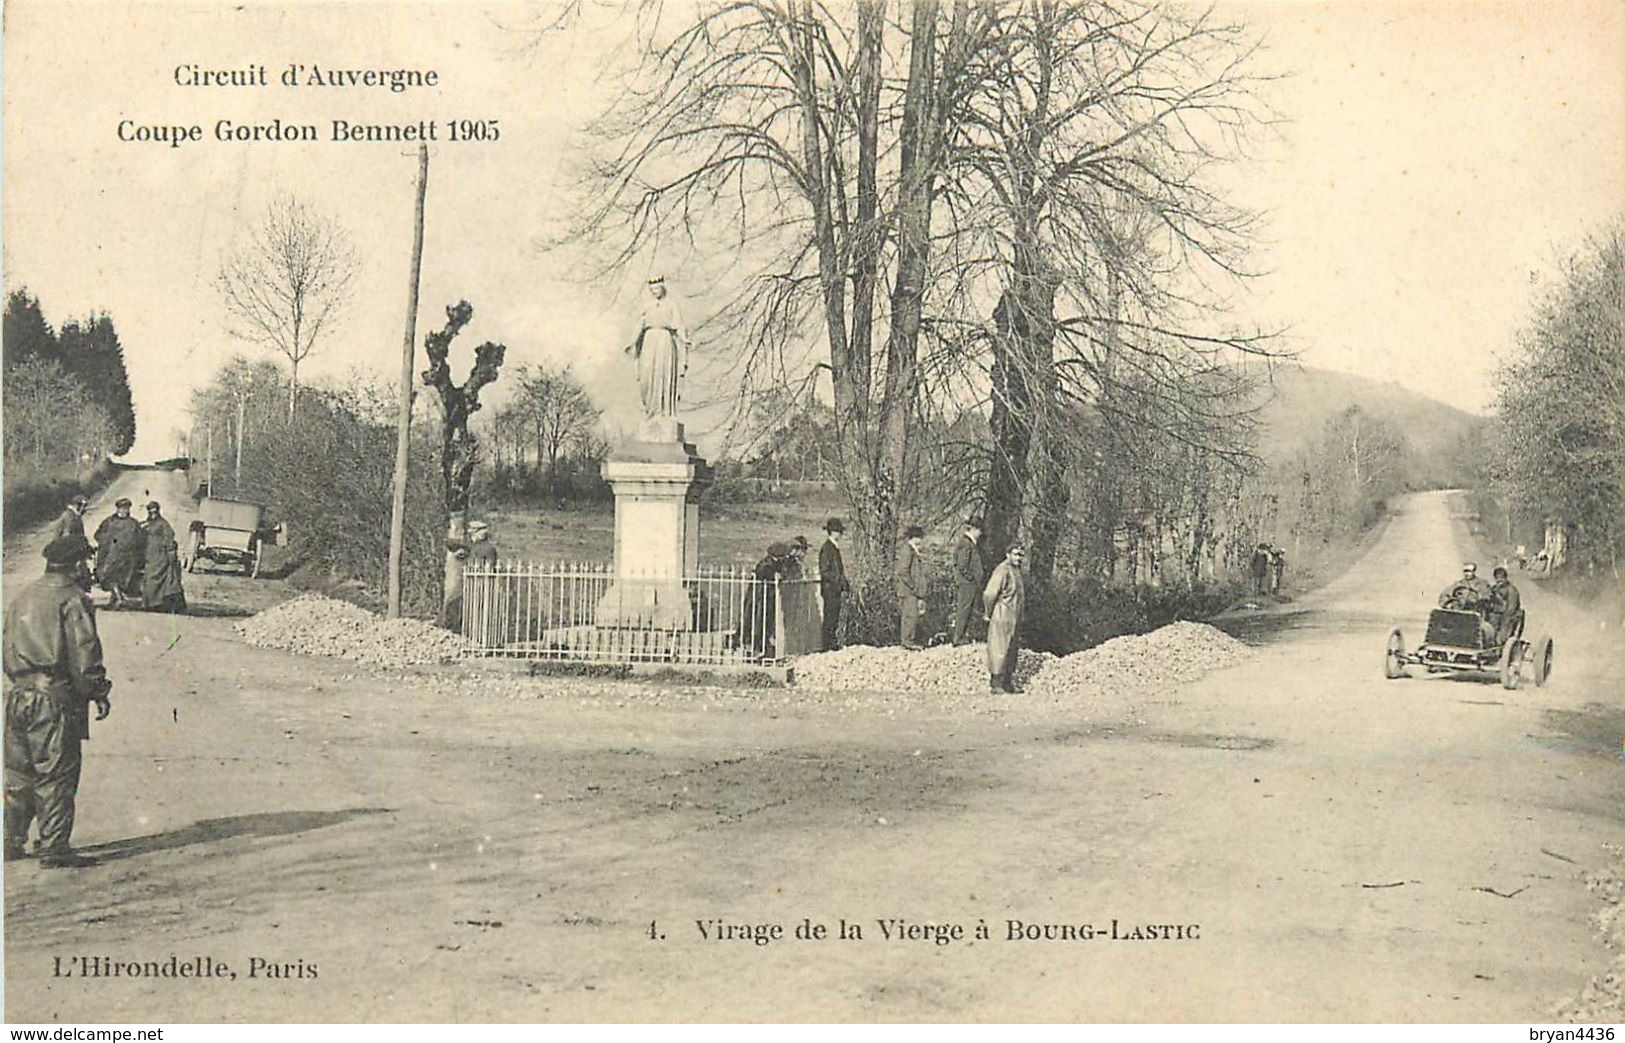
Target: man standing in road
832 582
1277 568
1261 568
911 586
71 522
161 581
969 579
1003 600
119 550
52 658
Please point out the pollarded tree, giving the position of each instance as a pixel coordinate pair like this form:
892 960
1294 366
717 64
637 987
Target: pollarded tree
287 281
459 447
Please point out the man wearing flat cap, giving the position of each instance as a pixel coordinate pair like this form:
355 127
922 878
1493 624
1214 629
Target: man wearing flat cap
161 589
52 659
833 586
120 548
911 586
969 578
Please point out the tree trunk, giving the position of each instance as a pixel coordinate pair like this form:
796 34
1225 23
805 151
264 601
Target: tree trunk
918 137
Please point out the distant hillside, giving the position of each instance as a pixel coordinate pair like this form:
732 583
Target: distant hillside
1300 399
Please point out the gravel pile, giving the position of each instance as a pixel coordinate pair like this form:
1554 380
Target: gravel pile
316 625
945 669
1602 1001
1167 656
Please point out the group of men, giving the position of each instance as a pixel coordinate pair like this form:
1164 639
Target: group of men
1498 604
137 562
1000 597
1268 564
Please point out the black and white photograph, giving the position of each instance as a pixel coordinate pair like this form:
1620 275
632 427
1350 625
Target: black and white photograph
908 512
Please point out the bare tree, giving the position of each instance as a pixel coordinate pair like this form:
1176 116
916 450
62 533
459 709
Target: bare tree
459 448
560 413
287 281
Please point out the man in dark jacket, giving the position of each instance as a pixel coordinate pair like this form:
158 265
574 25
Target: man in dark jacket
71 522
120 548
52 658
911 586
759 630
969 578
832 582
1261 569
1506 605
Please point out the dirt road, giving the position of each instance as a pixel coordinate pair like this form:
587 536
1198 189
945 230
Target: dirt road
409 846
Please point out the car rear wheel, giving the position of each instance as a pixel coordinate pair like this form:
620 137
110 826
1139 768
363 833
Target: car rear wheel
1542 657
1511 665
1394 664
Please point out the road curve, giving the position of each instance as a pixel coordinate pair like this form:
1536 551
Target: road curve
1348 848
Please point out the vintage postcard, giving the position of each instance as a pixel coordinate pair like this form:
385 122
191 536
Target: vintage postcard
871 511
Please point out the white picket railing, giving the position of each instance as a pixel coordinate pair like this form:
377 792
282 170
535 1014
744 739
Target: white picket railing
585 612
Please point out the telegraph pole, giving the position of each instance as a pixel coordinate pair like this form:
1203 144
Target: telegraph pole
403 425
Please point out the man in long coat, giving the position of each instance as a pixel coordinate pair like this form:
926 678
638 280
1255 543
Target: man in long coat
120 548
52 658
911 586
1003 600
833 585
161 582
969 579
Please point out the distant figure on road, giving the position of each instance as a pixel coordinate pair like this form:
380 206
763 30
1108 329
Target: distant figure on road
53 664
161 589
1506 606
71 522
1261 569
120 548
1003 600
833 586
911 586
1277 568
969 578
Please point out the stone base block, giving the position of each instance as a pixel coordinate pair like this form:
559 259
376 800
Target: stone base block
645 605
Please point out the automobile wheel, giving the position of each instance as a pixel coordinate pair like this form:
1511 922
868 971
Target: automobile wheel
1394 664
1511 665
1543 659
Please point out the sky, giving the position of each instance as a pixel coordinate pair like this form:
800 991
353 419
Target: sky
1434 163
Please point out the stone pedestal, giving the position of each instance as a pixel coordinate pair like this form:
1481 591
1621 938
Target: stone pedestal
657 481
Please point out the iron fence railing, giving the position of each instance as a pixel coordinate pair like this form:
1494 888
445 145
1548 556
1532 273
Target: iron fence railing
585 612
